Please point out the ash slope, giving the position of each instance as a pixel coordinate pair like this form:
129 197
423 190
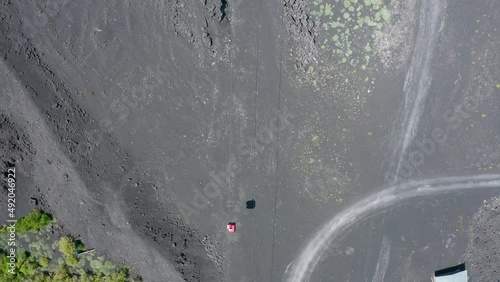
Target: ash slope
82 182
483 251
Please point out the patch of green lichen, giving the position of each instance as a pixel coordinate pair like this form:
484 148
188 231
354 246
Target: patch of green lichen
345 72
310 156
342 80
321 162
348 29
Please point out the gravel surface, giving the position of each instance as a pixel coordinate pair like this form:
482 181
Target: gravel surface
144 127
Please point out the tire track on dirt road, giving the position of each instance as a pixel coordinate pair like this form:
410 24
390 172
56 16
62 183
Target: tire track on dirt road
305 263
383 260
417 83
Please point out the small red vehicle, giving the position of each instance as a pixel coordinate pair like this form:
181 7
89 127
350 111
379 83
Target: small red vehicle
231 227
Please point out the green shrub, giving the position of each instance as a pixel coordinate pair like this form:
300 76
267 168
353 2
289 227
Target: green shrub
44 261
120 275
67 246
68 249
29 266
4 260
62 273
71 260
95 265
41 277
80 247
33 222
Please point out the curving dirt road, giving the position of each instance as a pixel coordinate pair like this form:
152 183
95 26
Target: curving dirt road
303 266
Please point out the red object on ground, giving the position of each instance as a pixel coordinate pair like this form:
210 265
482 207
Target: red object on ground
231 227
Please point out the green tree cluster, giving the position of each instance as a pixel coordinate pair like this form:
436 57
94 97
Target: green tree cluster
37 267
33 222
26 266
63 274
29 268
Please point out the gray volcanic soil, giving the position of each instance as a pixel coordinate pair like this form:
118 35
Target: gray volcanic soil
98 100
117 115
483 250
15 146
78 176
